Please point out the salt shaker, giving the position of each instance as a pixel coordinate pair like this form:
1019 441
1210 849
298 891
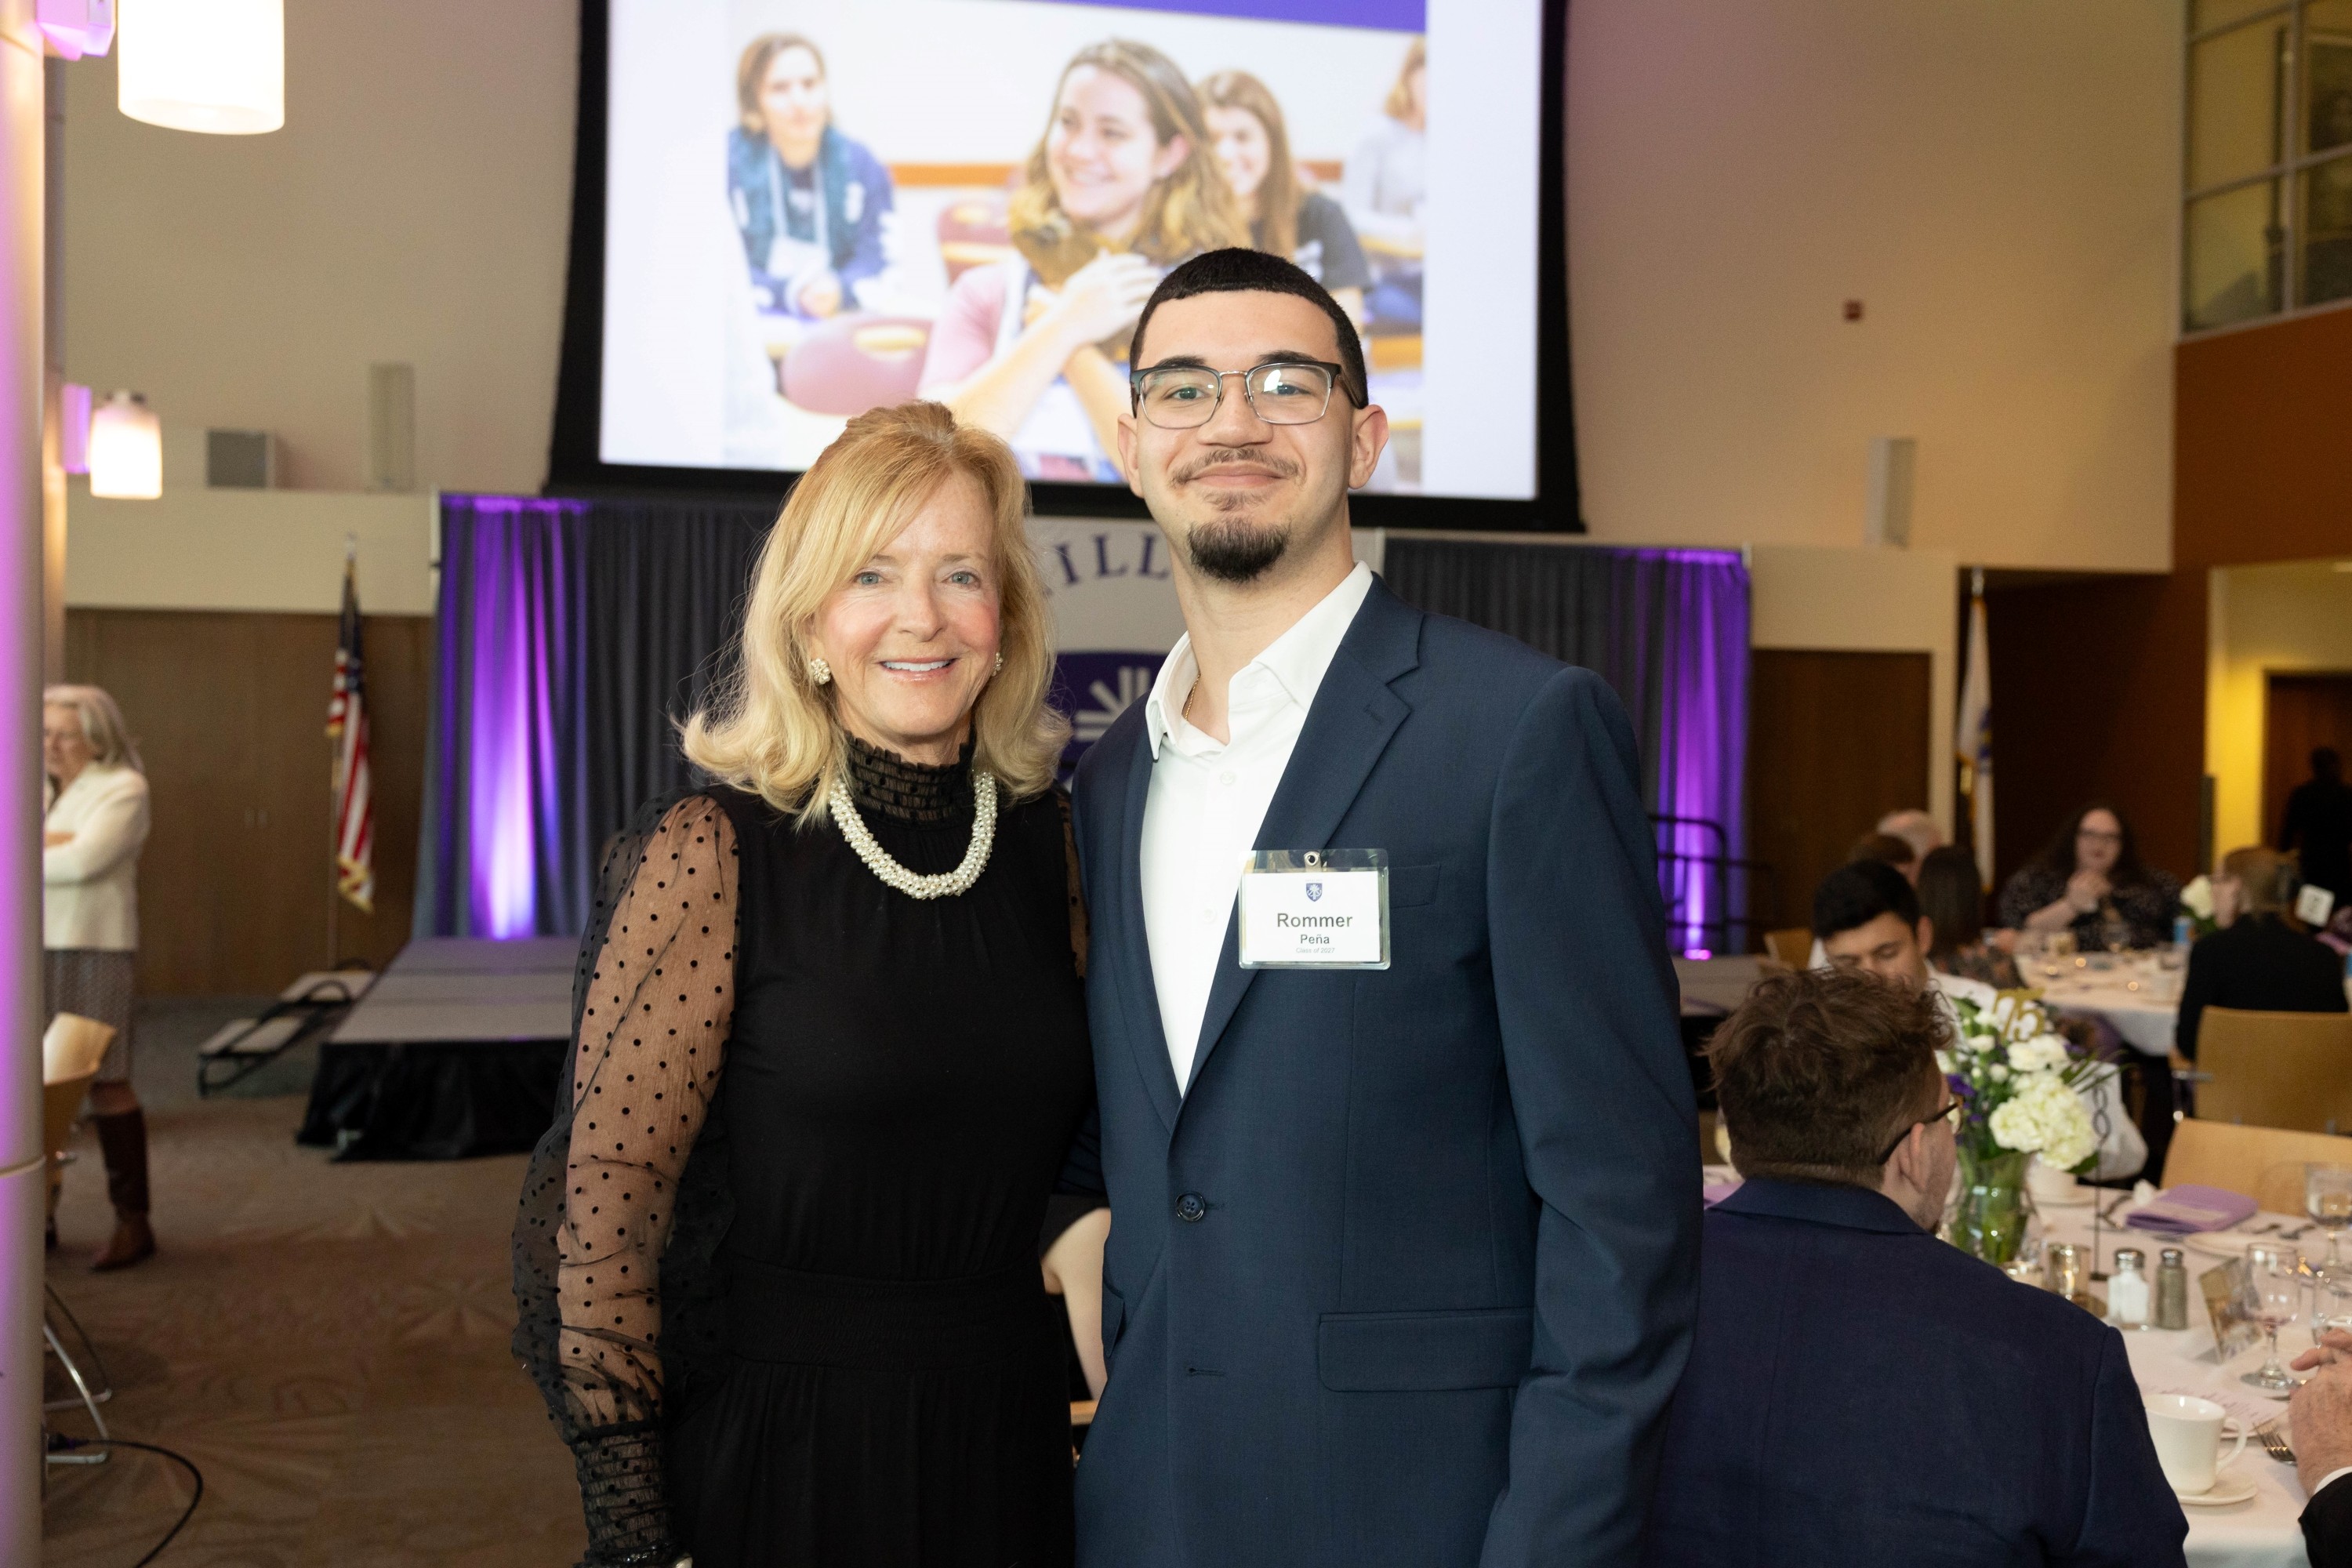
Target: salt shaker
2171 1289
2127 1289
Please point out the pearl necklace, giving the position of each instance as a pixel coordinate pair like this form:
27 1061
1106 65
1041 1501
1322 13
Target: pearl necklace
947 884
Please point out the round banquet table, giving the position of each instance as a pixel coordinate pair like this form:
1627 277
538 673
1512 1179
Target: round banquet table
2261 1533
2138 999
2265 1531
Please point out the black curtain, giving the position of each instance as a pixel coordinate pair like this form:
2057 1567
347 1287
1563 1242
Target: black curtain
1668 630
665 583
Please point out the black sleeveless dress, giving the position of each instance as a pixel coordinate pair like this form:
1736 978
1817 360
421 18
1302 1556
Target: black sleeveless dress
898 1086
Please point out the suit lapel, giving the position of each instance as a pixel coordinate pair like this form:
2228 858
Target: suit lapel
1138 998
1353 717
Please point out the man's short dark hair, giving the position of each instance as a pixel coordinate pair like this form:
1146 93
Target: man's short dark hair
1893 848
1857 894
1819 1071
1234 271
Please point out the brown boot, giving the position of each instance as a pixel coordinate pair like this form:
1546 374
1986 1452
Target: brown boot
122 1139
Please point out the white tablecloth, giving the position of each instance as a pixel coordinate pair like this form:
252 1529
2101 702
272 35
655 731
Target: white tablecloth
2261 1533
2140 1002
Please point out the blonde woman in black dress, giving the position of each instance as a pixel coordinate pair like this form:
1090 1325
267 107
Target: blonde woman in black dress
778 1264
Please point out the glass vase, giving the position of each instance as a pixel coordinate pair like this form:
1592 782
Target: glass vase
1989 1222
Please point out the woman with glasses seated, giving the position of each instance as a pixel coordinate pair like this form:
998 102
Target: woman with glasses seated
2090 880
1122 186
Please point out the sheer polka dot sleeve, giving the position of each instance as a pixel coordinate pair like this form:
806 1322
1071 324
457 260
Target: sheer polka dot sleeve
653 1029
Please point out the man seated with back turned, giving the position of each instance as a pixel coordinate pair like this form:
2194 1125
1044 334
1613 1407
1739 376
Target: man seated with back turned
1858 1391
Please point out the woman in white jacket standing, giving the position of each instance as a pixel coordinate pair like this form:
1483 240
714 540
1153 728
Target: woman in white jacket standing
90 841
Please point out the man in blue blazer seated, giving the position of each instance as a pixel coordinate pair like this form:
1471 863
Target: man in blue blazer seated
1405 1209
1859 1392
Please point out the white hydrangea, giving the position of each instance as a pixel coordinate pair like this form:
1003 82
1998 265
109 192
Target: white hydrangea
2198 898
1945 1063
2044 1116
2041 1053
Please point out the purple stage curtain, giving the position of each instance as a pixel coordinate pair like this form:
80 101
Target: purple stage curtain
505 849
1669 629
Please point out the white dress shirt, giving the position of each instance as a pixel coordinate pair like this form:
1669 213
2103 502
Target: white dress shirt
1207 800
89 893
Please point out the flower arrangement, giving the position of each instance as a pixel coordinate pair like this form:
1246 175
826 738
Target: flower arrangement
2019 1078
2197 902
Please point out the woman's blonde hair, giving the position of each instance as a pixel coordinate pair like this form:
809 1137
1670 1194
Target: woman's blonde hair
772 730
1191 211
2266 880
110 745
1399 102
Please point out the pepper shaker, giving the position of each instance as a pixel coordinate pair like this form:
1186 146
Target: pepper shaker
2171 1289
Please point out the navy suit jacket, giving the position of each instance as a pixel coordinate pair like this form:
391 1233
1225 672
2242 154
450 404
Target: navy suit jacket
1407 1276
1860 1392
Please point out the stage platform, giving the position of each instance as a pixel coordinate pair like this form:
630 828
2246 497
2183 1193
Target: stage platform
454 1050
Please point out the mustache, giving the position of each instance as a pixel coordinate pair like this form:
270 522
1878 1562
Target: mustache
1221 457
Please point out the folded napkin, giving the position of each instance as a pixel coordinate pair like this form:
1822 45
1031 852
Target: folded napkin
2185 1210
1714 1193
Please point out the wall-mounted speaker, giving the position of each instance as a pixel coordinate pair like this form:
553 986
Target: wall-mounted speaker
1888 520
391 429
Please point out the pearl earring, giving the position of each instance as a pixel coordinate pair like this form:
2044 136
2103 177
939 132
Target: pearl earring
820 671
1000 664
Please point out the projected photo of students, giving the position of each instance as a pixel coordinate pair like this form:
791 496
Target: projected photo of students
1285 214
1385 190
1123 184
808 200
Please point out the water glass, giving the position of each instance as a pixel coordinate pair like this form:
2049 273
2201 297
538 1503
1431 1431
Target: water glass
2327 1198
2272 1296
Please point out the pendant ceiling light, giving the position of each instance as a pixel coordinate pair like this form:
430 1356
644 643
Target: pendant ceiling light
126 450
204 65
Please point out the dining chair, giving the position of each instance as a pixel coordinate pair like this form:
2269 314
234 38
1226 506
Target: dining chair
2265 1163
1793 947
2276 1069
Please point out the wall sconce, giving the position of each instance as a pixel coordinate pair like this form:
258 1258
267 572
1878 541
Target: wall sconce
204 65
126 450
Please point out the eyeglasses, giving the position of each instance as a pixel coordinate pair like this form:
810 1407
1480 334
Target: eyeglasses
1942 1115
1280 391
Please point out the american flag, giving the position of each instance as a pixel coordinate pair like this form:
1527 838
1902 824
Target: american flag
347 725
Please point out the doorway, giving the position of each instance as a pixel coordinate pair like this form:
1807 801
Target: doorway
2301 712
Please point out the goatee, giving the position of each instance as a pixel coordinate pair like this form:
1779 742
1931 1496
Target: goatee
1236 552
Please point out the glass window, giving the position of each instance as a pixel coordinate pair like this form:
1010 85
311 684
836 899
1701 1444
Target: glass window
2327 74
2326 232
2205 14
2234 241
2235 102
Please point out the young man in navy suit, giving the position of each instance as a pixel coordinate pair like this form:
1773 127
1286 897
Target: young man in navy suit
1858 1391
1394 1118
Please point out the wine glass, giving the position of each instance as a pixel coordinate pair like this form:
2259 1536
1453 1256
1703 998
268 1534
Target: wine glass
2273 1294
2327 1198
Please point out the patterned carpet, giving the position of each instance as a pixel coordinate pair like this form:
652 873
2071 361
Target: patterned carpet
328 1342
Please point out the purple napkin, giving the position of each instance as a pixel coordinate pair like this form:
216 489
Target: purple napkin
2188 1209
1716 1192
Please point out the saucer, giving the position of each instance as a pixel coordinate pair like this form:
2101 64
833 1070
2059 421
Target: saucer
2228 1487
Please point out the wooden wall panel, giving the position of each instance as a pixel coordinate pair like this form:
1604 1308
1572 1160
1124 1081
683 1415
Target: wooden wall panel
230 713
1835 740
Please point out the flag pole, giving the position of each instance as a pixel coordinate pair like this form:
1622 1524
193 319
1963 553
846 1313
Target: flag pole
335 798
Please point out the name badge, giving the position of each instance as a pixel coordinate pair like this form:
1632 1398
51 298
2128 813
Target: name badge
1315 908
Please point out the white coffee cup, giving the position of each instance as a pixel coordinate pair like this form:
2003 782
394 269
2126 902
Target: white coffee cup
2187 1434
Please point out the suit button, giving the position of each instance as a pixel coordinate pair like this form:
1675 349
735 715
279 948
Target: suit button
1190 1209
